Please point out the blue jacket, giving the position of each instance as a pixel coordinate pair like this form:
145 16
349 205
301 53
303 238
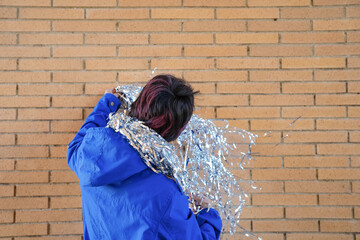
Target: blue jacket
124 199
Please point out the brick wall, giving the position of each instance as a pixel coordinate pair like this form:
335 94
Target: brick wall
260 64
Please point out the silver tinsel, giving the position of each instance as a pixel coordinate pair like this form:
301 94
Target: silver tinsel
198 160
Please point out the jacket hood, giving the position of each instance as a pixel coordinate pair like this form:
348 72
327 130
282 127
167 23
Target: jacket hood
107 158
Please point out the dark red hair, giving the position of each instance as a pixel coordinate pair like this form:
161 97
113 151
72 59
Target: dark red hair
165 104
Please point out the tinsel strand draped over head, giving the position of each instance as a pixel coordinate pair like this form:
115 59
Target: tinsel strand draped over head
198 159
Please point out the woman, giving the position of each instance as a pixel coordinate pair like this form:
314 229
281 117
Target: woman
122 197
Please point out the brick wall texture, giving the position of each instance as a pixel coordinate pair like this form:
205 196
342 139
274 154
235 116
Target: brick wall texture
261 64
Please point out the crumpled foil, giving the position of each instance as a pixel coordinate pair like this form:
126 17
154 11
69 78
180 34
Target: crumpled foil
198 160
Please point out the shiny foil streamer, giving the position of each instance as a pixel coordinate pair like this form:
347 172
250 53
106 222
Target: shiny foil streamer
200 159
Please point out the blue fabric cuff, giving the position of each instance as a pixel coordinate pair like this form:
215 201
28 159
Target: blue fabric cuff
112 102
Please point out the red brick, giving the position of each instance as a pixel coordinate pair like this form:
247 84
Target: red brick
353 37
339 199
23 152
8 89
248 88
24 126
317 187
281 100
66 228
7 191
354 62
181 38
318 212
7 164
284 149
116 64
275 51
7 64
42 164
66 126
24 25
97 89
312 13
214 26
24 203
221 100
318 236
267 187
50 64
313 62
49 114
281 26
205 112
313 87
320 37
214 51
7 114
84 26
50 13
44 139
204 88
264 162
65 202
337 24
24 51
339 226
316 161
280 75
283 174
86 3
150 26
58 151
7 139
93 76
331 99
7 13
262 212
315 137
7 217
286 226
84 51
356 189
318 112
17 101
24 177
334 2
336 75
281 124
31 3
256 3
247 13
248 112
214 3
182 13
79 237
150 51
8 38
354 87
141 77
337 50
24 77
248 63
192 63
117 14
339 174
338 124
149 3
268 137
50 89
49 215
354 136
247 38
50 38
338 149
23 230
115 38
215 76
48 190
64 177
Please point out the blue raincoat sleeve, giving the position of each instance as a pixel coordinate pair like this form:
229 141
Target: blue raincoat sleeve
179 222
98 118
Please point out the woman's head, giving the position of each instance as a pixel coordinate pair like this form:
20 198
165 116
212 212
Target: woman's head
165 104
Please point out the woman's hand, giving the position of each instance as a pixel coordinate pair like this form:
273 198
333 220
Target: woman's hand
200 202
113 91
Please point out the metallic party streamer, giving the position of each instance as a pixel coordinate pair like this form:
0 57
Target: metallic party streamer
197 160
